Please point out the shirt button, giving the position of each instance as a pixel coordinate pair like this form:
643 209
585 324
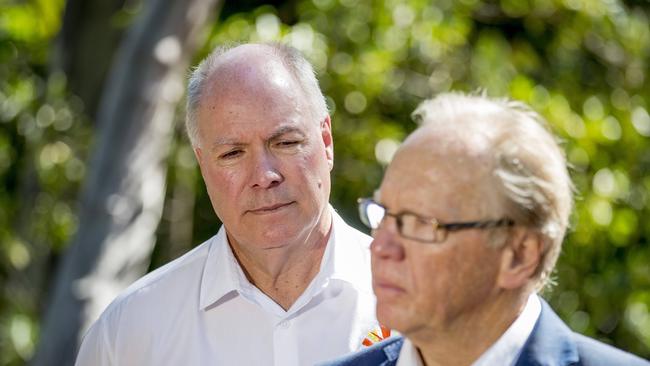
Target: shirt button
284 324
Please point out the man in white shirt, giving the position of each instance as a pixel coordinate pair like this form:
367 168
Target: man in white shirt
285 281
468 224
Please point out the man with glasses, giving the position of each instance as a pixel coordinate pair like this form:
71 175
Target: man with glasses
468 224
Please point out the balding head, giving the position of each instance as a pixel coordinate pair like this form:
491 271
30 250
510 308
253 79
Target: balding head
447 154
248 67
525 163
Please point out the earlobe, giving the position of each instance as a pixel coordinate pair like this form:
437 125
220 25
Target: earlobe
520 258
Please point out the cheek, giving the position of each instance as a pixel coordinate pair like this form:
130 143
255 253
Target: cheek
434 278
426 279
486 264
310 168
316 157
221 184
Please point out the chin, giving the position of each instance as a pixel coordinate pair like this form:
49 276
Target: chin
388 315
400 318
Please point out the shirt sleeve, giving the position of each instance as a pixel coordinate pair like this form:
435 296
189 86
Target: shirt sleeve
95 349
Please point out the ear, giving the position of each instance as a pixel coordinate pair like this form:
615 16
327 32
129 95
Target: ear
520 258
326 134
198 152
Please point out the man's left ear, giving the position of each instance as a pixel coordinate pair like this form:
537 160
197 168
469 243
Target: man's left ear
326 133
520 258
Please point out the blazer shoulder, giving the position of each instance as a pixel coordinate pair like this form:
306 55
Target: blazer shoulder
552 342
595 353
382 353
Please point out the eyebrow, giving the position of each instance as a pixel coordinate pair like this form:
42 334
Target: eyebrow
223 141
284 130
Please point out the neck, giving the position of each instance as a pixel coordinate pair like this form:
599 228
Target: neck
465 339
284 273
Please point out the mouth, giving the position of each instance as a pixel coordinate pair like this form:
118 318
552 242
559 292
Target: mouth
270 209
387 287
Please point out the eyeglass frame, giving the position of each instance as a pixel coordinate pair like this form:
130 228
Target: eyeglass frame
436 224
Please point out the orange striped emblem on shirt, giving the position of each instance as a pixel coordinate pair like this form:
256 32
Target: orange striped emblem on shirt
376 335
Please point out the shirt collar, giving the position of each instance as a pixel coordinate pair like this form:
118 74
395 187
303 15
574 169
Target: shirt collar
349 261
409 355
507 348
341 261
221 274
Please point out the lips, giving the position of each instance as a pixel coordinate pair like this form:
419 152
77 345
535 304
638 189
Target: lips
387 287
269 209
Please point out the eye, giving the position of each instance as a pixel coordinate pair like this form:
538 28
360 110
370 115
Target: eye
415 225
231 154
287 143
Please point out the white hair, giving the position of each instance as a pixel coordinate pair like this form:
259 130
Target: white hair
291 58
529 166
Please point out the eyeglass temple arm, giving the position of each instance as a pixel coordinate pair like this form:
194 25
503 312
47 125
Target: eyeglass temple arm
455 226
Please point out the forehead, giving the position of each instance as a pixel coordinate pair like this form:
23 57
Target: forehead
438 173
244 96
254 72
258 79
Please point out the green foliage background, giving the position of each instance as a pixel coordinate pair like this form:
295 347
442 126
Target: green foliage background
582 64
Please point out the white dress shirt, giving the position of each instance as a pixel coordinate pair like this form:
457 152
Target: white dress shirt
505 351
201 310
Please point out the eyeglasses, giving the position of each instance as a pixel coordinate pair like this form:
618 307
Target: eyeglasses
415 227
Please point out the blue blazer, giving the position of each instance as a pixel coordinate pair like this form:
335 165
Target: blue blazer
551 343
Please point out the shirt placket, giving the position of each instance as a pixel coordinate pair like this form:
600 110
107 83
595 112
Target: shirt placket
285 344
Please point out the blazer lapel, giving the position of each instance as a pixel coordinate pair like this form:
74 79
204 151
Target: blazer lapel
550 343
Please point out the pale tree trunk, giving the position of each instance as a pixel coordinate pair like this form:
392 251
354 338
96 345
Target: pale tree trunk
122 198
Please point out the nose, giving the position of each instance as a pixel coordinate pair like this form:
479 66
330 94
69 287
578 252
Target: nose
386 243
264 172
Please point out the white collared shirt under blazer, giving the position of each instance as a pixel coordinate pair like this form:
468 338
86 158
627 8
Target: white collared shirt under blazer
201 310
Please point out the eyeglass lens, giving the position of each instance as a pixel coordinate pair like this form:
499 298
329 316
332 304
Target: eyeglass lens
373 213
